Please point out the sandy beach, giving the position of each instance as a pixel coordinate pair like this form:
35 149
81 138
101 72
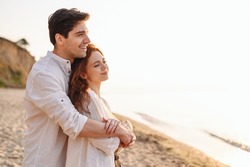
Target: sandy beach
152 149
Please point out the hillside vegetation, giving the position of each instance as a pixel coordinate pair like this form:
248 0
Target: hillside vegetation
15 64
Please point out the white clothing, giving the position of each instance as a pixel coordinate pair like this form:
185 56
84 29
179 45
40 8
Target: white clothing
93 152
50 115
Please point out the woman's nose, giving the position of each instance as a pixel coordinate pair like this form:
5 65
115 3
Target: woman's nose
104 66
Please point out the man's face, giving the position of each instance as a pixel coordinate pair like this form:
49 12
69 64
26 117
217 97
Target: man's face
76 44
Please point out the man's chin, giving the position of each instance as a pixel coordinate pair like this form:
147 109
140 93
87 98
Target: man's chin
82 56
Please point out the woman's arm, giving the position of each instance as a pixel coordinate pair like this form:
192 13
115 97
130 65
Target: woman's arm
107 145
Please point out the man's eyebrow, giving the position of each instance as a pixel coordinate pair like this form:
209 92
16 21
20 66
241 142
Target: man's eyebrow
81 32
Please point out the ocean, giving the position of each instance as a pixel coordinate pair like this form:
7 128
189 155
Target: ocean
213 121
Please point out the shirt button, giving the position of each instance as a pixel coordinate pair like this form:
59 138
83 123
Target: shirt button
68 71
62 100
68 62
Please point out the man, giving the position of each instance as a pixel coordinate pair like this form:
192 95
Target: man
50 115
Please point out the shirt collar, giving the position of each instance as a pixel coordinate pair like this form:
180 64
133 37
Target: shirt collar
65 64
58 58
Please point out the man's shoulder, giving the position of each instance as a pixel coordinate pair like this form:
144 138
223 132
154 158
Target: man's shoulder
44 69
45 64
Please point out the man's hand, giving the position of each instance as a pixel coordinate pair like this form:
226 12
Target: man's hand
126 134
130 126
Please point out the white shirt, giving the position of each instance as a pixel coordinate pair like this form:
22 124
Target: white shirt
50 115
92 152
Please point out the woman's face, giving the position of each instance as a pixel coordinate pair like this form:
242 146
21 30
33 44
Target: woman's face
96 69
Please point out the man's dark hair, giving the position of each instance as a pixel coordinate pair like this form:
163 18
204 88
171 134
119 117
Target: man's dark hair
63 21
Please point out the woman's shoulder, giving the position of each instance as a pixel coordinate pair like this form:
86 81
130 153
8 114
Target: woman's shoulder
105 101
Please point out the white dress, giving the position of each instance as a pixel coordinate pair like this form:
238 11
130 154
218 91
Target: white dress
93 152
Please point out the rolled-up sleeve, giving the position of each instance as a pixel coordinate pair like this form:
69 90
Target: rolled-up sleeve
53 100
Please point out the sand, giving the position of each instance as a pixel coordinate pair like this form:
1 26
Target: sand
152 149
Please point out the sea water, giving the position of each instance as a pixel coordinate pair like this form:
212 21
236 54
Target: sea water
190 115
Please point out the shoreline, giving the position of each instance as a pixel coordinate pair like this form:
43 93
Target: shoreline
181 153
152 148
230 141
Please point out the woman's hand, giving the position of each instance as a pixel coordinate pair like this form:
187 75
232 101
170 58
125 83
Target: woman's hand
127 136
111 125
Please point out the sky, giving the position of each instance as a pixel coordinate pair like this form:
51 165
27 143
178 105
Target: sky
178 44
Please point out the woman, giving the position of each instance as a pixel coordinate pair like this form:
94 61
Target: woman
84 92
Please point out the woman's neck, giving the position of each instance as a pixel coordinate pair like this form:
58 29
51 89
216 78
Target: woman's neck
95 88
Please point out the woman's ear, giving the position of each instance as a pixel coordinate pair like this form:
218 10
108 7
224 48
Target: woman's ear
83 76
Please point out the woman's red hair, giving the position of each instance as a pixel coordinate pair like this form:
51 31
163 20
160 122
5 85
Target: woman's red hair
77 84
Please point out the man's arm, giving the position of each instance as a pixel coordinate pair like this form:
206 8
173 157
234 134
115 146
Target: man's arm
50 98
97 129
94 129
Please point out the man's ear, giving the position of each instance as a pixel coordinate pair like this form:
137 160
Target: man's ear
59 39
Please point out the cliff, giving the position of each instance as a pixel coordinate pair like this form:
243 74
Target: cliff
15 64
